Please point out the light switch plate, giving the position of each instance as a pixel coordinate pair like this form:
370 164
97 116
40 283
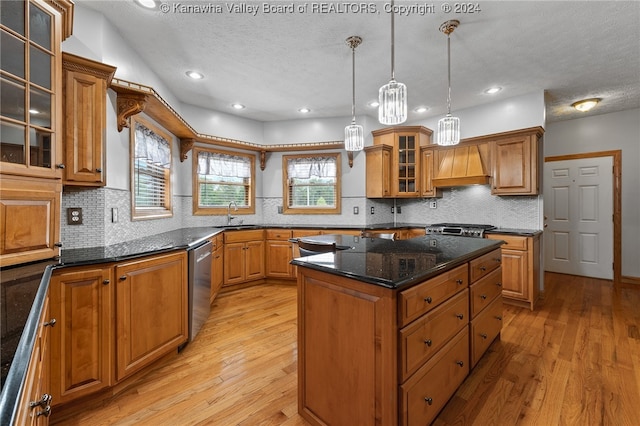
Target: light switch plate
114 215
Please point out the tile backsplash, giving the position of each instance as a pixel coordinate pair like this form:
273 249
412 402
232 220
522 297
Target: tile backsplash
472 204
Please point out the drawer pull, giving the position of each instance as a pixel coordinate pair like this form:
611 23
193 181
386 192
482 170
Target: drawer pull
428 342
50 323
483 268
428 299
459 281
460 363
483 296
499 284
123 278
46 412
428 400
459 316
483 335
105 282
499 318
497 259
44 401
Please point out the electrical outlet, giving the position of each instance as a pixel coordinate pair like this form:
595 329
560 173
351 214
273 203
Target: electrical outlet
393 210
373 210
356 210
399 209
114 215
74 216
433 243
280 209
433 204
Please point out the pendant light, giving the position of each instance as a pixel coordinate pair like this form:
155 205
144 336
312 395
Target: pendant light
392 96
353 134
449 126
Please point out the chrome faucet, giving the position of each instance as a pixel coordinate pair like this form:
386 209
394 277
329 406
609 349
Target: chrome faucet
229 217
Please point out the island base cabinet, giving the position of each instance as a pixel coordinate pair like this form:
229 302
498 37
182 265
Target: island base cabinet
151 310
484 329
429 389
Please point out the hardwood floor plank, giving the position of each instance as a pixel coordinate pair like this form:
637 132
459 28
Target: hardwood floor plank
575 360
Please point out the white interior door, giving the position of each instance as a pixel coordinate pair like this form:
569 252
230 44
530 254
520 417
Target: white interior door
578 209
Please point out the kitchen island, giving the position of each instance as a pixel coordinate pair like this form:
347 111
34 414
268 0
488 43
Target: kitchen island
388 330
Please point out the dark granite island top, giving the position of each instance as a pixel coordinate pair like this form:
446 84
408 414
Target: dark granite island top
394 264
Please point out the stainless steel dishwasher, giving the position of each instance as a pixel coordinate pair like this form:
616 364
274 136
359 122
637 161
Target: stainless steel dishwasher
199 287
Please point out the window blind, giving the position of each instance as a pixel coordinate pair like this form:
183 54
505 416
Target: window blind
223 179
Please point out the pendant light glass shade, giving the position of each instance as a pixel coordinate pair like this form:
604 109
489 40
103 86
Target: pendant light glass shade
354 137
393 103
354 133
449 126
392 97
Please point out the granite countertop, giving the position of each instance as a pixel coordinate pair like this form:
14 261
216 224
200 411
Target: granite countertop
394 264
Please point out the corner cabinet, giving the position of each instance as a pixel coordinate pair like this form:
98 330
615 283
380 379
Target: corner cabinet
403 166
515 163
85 84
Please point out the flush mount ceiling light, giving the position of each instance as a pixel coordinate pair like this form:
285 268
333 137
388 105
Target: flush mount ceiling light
148 4
421 109
353 133
586 104
449 126
492 90
195 75
237 106
393 95
304 110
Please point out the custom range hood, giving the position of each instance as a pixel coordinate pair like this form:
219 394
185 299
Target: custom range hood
462 165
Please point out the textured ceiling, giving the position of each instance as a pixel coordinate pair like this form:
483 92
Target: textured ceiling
275 63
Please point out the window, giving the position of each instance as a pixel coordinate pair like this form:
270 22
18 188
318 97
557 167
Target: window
311 184
222 178
150 170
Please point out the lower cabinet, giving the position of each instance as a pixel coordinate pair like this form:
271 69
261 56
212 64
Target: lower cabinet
520 269
217 266
34 406
279 254
113 320
243 256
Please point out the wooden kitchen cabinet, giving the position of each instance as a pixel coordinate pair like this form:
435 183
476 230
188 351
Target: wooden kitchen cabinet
428 164
520 269
404 165
243 256
378 169
29 219
151 310
82 342
515 163
279 254
85 84
217 265
35 401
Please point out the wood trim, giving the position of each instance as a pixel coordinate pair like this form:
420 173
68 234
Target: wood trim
72 62
65 8
630 280
307 210
617 201
404 129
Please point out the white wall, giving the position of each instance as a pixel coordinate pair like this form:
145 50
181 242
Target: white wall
618 130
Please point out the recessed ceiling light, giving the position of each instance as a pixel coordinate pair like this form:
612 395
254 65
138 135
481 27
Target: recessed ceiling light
237 106
421 109
586 104
149 4
195 75
492 90
304 110
374 104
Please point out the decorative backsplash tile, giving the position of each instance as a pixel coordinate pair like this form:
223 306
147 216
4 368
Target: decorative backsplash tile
472 204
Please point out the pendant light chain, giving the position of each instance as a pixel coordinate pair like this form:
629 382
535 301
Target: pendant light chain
353 83
449 72
393 44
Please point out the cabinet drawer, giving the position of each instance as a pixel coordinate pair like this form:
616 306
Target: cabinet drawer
484 329
423 297
485 290
278 234
244 236
217 241
299 233
513 242
485 264
429 389
426 336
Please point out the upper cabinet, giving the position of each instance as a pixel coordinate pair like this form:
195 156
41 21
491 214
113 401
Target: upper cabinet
403 164
515 160
85 84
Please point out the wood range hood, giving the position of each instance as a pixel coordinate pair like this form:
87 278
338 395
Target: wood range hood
462 165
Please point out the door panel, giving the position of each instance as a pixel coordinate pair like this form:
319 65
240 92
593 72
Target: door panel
579 217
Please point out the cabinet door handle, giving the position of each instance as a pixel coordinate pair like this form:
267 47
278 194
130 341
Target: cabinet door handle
60 166
497 259
105 282
459 281
45 400
428 342
499 318
46 412
50 323
460 363
428 299
98 170
483 268
483 335
499 284
57 244
428 400
123 278
459 316
483 296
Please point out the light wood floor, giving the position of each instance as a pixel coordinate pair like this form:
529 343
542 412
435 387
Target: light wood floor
575 360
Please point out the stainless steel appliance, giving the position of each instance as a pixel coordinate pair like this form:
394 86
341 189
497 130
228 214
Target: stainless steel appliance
460 229
199 286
